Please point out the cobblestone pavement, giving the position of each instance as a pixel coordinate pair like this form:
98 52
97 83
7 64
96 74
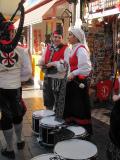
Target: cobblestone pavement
33 100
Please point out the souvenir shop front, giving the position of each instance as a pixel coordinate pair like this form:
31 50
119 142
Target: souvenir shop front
102 33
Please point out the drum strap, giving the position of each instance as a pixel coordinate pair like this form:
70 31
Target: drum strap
59 88
56 83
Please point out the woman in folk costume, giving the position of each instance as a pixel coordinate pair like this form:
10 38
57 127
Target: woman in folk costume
113 150
12 110
54 64
77 103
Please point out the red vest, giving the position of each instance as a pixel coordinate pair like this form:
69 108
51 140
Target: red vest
74 62
116 86
56 56
5 42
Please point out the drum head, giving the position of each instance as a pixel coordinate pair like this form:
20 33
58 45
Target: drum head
43 113
75 149
44 157
78 130
50 122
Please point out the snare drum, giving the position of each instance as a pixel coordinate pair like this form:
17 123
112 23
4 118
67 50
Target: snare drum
36 116
76 149
44 157
79 132
48 126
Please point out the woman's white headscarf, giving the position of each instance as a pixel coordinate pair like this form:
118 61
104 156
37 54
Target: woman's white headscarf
79 34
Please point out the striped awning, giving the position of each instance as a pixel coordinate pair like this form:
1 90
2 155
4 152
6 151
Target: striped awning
36 15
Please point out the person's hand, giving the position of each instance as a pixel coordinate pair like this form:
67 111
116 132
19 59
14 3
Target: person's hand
116 98
51 64
41 66
70 76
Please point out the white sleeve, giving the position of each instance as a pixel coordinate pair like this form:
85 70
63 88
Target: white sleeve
84 63
26 67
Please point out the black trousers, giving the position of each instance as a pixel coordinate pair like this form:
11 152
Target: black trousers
11 107
54 94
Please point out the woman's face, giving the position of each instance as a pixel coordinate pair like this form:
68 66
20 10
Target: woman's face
72 39
57 39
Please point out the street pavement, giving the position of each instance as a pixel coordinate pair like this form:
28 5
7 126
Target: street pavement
34 101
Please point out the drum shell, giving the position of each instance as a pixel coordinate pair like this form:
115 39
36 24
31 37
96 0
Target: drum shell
47 135
35 124
51 155
50 136
52 131
37 116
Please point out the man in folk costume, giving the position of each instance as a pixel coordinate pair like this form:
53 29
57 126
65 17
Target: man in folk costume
54 64
77 102
12 110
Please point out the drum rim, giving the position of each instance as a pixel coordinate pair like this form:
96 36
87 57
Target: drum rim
50 125
36 117
33 115
81 136
95 156
77 158
43 155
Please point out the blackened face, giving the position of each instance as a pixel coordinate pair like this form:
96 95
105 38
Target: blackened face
12 34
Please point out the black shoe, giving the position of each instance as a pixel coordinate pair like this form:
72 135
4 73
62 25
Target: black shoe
8 154
20 145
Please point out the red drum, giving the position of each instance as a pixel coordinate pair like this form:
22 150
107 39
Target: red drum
36 116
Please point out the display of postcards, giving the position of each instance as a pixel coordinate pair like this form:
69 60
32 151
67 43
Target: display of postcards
100 54
100 58
99 36
99 61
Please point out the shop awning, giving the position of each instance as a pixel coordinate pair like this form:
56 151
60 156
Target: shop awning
36 15
104 13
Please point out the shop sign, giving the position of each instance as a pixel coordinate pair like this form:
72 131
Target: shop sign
102 4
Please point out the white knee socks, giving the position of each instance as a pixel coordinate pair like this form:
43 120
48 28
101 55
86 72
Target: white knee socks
18 132
8 134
